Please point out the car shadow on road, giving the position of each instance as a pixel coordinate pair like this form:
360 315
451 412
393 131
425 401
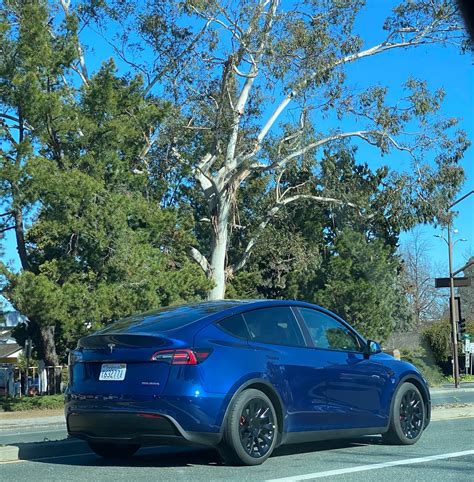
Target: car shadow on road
167 456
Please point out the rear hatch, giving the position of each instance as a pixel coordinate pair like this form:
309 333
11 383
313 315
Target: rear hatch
117 362
120 366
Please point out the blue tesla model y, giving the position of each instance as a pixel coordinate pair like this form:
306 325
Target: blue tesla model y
241 376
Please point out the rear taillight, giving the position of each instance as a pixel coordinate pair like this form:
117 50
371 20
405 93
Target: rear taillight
75 356
182 356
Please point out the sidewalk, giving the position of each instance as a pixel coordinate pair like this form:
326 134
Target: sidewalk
31 418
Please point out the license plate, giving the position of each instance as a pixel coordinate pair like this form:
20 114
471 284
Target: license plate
113 372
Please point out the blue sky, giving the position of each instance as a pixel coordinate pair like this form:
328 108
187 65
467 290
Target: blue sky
440 67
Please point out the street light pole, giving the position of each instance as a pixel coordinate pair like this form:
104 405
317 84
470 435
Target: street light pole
454 328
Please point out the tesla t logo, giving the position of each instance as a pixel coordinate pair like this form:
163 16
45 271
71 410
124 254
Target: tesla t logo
111 347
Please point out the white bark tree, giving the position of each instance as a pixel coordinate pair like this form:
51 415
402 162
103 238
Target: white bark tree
243 71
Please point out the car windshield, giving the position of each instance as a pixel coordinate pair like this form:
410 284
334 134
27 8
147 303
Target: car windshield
168 318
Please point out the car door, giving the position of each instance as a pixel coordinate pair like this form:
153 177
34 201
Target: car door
356 388
290 366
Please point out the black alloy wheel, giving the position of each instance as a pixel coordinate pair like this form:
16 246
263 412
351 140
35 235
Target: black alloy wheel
256 428
407 418
411 414
250 429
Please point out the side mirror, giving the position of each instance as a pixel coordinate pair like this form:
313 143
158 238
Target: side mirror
372 348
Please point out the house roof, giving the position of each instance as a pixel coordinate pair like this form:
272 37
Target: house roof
8 349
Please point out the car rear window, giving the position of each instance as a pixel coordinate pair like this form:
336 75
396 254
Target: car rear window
235 325
168 318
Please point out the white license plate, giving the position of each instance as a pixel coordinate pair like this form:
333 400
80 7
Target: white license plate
113 372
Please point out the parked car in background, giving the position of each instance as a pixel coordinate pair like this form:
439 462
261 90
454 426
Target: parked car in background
241 376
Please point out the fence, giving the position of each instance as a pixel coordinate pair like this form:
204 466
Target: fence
49 380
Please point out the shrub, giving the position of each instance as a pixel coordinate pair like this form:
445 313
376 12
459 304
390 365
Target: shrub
42 402
438 336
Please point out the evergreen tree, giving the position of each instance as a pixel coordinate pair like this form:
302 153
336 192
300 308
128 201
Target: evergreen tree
93 241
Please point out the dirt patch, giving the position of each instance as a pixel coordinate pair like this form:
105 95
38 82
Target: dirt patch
31 414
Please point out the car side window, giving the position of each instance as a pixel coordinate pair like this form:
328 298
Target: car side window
276 325
235 325
326 332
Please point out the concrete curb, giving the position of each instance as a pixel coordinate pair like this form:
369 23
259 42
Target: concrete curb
450 413
8 453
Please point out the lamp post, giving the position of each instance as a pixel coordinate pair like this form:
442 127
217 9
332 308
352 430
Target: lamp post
454 328
452 302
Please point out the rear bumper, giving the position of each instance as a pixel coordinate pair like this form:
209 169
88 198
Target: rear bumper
133 427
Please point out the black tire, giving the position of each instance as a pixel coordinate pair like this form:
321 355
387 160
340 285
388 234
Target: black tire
114 451
407 419
250 429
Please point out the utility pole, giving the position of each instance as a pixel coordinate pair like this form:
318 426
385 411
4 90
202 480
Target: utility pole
454 328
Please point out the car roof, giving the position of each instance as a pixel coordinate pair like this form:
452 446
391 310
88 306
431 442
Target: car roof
178 317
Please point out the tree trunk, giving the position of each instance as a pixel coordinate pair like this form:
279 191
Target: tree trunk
220 237
47 350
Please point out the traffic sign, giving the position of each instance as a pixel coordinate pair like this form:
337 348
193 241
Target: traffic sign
458 282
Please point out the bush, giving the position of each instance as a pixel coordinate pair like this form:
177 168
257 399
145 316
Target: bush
42 402
438 336
431 372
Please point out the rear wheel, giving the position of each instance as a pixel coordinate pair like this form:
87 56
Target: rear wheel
250 430
114 451
408 416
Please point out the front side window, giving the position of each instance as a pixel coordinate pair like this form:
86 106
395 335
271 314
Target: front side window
328 333
277 326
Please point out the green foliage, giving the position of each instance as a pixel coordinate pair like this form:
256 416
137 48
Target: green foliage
101 181
438 336
360 284
40 402
98 244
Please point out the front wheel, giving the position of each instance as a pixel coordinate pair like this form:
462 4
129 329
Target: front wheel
250 430
114 451
408 416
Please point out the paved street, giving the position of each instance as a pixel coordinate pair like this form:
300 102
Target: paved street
356 460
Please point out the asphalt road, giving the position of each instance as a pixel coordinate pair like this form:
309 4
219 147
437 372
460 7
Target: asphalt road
16 435
440 455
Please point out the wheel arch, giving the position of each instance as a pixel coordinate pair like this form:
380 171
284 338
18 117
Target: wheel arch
414 380
271 392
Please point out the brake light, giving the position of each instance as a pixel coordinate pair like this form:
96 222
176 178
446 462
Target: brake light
184 356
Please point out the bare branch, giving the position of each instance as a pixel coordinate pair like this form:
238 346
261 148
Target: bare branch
364 134
239 108
201 260
81 69
2 230
172 64
422 38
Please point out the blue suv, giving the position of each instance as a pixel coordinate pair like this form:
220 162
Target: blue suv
241 376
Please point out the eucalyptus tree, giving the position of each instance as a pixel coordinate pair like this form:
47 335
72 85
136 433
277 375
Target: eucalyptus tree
253 81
